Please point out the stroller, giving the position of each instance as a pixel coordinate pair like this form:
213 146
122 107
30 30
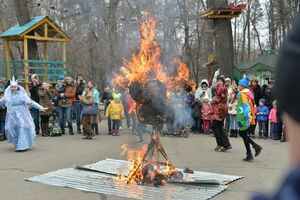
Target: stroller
54 129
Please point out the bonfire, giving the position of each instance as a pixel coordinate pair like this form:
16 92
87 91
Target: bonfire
149 85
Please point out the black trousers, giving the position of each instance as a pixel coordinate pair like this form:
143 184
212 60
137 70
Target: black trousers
247 141
218 130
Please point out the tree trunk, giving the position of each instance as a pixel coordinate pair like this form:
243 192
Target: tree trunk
23 17
248 31
223 41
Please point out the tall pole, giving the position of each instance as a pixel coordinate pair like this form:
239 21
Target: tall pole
7 50
64 55
26 64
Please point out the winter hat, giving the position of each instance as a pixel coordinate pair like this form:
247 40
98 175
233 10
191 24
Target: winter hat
263 101
244 82
228 79
204 81
61 77
117 96
287 73
222 78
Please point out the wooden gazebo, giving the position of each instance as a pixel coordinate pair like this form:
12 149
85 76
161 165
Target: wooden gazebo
45 30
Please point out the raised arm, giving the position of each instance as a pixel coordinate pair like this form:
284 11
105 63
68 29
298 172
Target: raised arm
33 104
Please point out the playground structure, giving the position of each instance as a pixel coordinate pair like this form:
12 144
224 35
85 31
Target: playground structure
43 30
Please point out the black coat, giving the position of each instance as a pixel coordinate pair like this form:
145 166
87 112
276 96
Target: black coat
257 94
196 109
268 95
2 113
79 90
34 92
106 98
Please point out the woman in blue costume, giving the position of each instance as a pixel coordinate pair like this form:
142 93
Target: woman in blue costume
19 126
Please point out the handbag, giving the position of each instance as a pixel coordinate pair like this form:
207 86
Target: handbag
91 109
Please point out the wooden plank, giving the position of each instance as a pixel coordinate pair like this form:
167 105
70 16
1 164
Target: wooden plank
32 28
46 55
26 63
45 61
39 38
222 16
45 30
55 27
7 50
64 54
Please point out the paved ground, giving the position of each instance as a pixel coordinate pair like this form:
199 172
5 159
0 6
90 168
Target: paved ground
196 152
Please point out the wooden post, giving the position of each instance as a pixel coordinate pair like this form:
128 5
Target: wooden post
26 64
46 58
64 55
46 49
7 49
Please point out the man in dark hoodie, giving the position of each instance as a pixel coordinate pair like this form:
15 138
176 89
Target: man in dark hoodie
34 87
288 97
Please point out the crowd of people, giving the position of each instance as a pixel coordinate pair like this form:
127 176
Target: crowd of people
223 108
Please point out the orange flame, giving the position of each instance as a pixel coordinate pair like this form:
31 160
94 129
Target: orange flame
135 159
146 65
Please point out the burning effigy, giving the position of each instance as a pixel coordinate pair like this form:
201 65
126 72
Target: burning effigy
149 85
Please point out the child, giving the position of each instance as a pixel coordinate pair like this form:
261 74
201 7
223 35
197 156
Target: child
196 114
262 119
2 117
206 111
115 111
274 123
232 111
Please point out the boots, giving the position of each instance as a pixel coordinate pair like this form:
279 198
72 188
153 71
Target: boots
47 129
257 149
249 158
1 137
231 133
113 132
44 131
235 133
117 133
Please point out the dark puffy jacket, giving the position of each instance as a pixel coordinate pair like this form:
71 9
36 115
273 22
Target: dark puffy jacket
34 92
257 94
196 109
2 113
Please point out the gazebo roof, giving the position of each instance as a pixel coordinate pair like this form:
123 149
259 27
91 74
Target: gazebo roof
37 24
263 62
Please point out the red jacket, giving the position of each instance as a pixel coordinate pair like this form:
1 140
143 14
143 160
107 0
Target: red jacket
219 103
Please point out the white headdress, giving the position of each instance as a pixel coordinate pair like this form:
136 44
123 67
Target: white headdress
13 81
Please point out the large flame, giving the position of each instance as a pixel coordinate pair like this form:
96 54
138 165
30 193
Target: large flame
146 65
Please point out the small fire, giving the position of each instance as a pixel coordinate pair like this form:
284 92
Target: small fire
142 171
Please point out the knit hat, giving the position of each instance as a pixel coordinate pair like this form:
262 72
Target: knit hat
222 78
117 96
244 82
263 101
288 72
228 79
